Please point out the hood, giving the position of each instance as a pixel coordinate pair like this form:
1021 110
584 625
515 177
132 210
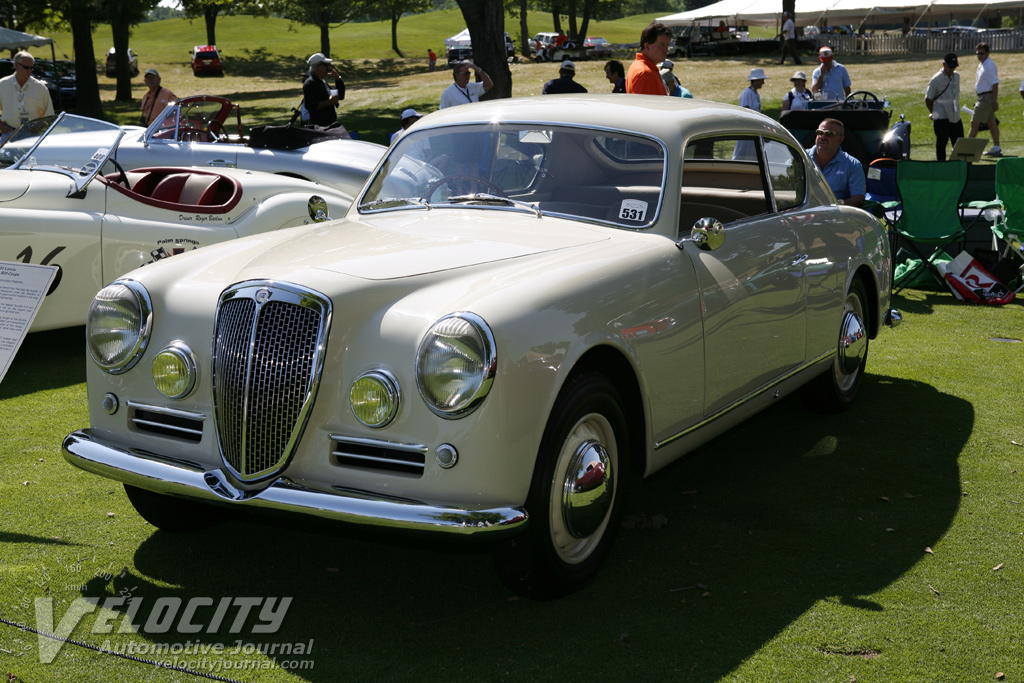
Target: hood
402 244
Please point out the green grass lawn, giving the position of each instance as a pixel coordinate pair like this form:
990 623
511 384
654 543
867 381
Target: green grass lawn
883 544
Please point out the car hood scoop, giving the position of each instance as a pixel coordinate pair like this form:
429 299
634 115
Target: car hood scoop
407 243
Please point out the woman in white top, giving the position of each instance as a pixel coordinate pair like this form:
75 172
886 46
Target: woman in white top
798 97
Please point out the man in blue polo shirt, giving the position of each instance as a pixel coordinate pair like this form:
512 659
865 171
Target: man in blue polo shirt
844 173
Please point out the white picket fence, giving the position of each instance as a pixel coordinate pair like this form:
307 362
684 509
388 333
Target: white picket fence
914 44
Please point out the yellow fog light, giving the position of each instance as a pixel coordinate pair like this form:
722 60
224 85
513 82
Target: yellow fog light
174 371
374 398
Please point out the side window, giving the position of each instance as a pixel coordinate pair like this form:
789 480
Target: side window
721 179
786 173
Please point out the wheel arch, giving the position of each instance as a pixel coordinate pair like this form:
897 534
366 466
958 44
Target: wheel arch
612 363
871 288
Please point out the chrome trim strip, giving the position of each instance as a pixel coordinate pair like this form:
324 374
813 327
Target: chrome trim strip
745 399
163 425
373 458
173 412
381 443
166 476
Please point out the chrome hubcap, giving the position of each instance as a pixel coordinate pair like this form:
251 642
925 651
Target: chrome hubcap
853 343
587 489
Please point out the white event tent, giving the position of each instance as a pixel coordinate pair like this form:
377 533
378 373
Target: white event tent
769 12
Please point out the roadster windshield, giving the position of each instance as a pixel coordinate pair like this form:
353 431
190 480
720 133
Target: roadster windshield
73 145
595 175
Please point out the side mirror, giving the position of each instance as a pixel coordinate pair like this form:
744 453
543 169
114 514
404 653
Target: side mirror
707 233
317 209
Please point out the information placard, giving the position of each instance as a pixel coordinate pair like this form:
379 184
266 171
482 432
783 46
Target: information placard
23 287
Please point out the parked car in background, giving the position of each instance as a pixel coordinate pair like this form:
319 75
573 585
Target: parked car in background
206 60
598 48
65 202
459 53
111 63
581 288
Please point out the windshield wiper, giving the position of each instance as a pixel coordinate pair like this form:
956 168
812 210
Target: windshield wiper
395 201
484 198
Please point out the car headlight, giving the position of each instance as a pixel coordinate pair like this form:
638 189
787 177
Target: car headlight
175 371
374 398
118 325
455 364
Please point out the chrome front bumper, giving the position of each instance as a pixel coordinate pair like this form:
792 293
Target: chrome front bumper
188 480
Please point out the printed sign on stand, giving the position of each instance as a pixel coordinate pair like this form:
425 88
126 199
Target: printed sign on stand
23 287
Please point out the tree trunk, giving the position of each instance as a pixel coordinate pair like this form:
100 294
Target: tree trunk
485 20
325 39
119 27
524 30
210 14
571 11
88 101
588 10
395 16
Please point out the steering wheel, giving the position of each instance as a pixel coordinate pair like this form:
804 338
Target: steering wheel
122 176
462 176
859 100
190 134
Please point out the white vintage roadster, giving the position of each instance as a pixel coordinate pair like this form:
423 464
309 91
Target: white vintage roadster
578 288
58 208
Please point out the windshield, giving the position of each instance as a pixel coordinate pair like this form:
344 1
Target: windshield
73 145
194 119
585 173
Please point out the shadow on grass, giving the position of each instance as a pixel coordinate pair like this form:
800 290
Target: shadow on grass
46 360
783 512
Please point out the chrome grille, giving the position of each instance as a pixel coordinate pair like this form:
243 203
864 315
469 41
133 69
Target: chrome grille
268 352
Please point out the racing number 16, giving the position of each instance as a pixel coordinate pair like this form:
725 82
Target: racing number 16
26 257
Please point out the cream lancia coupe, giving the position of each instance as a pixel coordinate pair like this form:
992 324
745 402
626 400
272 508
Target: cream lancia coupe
530 300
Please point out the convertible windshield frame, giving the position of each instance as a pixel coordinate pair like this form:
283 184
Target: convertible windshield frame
605 175
80 158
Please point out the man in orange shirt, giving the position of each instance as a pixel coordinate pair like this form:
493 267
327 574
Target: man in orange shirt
644 77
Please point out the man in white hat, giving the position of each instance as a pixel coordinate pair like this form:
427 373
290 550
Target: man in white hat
830 78
320 102
789 39
564 84
409 117
750 99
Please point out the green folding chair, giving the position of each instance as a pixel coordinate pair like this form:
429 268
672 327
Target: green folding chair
1009 225
929 218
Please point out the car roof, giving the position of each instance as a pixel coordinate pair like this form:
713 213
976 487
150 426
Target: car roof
667 118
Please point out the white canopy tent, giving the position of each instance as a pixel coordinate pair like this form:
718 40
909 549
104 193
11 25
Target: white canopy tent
460 39
769 12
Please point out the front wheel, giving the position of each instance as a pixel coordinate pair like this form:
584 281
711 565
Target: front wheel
575 499
836 389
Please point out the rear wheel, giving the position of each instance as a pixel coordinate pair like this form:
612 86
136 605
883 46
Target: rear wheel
836 389
178 515
575 500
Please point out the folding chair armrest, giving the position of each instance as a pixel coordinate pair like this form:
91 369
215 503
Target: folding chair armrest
982 204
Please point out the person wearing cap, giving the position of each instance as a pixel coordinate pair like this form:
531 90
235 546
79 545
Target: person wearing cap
156 99
564 84
799 95
616 75
750 99
789 39
986 88
644 77
462 91
842 171
672 85
409 117
317 97
830 80
943 101
22 97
